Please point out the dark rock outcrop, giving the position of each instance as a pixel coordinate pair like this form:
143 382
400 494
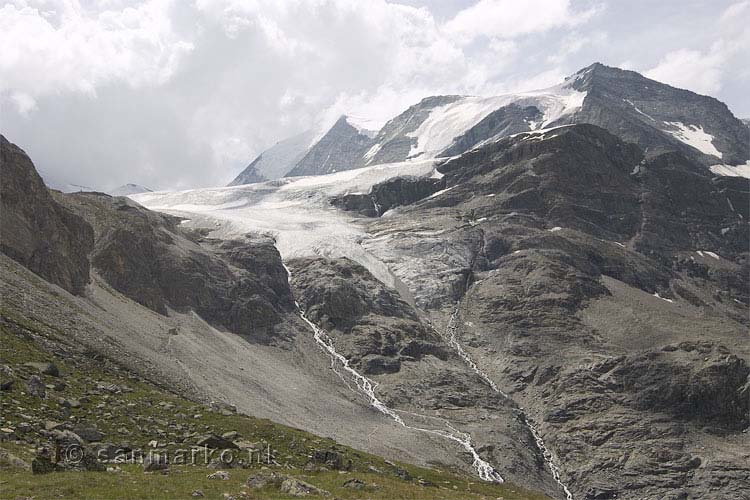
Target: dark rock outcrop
640 110
35 230
508 120
240 285
392 193
339 149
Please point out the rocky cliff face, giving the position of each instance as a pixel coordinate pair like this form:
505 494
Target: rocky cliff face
600 289
240 285
35 230
339 149
418 374
393 142
658 117
388 194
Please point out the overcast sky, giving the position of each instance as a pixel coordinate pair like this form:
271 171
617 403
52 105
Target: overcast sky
179 94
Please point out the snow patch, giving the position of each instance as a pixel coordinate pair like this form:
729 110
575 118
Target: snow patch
438 193
704 253
447 122
694 136
742 170
656 294
554 229
372 152
638 110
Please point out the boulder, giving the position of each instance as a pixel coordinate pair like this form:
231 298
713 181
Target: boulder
155 462
265 478
219 474
215 442
36 387
297 488
88 432
42 465
354 484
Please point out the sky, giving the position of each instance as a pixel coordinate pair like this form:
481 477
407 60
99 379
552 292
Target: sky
178 94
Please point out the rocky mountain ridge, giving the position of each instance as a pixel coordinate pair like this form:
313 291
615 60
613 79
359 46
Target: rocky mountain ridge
655 116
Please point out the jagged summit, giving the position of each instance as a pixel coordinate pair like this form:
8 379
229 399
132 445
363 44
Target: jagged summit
657 117
340 148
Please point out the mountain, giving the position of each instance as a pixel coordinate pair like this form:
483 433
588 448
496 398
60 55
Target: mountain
659 117
340 148
128 189
653 115
599 288
276 161
35 230
206 319
507 292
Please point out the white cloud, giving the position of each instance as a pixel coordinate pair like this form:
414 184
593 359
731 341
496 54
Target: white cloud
705 70
50 47
512 18
690 69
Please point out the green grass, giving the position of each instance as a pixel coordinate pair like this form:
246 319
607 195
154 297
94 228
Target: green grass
135 418
131 483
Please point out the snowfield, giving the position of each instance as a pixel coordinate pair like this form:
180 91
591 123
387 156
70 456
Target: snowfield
742 170
446 123
693 135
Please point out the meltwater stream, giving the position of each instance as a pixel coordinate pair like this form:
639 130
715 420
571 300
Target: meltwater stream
451 337
484 470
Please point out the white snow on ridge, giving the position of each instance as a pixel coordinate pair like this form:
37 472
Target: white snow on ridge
447 122
295 211
693 135
372 152
732 170
704 253
638 110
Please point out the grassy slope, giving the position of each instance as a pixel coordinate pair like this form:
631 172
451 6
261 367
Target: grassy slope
133 416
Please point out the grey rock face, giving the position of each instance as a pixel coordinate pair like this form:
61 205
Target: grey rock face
385 195
394 143
384 338
339 149
583 295
35 230
508 120
276 161
639 110
240 285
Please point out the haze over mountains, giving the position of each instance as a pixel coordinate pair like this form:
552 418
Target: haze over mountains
547 288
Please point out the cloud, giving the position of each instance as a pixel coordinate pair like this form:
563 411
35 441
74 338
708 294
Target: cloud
52 47
691 69
513 18
705 71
